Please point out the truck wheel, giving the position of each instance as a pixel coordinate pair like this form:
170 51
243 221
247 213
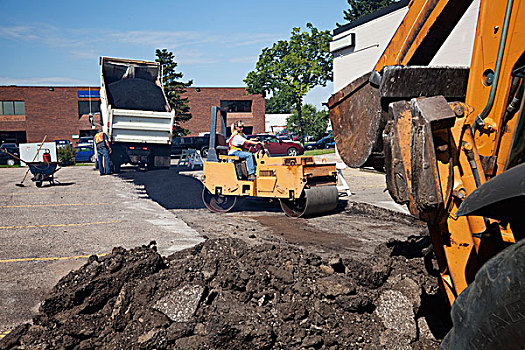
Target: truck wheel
116 167
490 313
150 163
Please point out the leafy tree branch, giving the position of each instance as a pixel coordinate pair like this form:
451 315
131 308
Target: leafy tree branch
291 68
174 89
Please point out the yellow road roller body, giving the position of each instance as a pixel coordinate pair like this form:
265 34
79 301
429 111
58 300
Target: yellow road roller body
303 186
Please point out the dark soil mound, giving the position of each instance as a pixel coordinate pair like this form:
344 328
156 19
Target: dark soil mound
137 94
224 294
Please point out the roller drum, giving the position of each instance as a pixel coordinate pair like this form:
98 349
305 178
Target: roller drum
218 203
315 200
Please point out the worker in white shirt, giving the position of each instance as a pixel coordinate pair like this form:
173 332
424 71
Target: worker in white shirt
236 145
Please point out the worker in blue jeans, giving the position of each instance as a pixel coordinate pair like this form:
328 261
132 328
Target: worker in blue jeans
236 143
103 150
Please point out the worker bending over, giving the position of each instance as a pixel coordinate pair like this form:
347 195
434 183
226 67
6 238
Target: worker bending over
236 143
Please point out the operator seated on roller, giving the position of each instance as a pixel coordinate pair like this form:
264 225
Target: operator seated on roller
236 143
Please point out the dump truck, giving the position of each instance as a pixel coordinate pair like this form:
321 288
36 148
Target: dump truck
452 144
135 113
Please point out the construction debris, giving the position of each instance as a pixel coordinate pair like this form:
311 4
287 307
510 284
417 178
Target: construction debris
225 294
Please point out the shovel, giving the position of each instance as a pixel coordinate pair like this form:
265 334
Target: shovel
21 184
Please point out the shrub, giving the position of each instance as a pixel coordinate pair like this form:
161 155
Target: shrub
66 155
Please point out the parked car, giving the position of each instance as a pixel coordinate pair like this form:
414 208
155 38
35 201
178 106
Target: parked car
287 135
325 142
200 143
277 147
6 159
62 143
88 141
84 154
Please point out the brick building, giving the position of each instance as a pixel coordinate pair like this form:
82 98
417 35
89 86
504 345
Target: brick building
28 113
235 102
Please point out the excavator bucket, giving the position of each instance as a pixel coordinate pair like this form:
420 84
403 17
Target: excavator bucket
355 113
359 112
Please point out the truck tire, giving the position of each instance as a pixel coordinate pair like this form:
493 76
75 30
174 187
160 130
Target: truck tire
116 167
150 162
490 313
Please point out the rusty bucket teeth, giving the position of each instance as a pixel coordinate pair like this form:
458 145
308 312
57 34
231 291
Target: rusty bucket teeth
315 200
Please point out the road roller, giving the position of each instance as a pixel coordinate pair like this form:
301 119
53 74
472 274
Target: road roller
303 187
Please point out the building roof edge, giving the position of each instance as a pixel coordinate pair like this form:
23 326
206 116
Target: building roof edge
371 16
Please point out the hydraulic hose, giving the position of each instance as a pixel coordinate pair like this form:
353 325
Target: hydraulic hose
488 107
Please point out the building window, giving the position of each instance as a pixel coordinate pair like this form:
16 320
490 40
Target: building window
12 108
240 106
84 107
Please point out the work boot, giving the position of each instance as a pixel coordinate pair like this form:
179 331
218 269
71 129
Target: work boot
251 177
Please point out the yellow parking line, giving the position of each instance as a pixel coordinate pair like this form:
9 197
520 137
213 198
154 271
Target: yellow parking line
49 205
62 225
51 258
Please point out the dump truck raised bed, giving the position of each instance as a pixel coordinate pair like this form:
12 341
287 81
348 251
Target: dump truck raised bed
135 113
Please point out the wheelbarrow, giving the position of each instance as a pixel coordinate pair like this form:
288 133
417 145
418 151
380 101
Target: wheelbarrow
43 171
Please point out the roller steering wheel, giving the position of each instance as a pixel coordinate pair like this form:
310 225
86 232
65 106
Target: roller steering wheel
261 151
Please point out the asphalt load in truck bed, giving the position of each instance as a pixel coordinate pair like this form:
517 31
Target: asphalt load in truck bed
228 294
136 94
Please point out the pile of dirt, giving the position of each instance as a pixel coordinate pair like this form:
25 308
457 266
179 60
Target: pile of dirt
226 294
136 94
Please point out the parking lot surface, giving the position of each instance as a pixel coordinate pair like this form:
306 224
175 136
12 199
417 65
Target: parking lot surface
47 232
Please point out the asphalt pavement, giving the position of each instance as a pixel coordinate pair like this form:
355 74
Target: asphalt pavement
366 185
47 232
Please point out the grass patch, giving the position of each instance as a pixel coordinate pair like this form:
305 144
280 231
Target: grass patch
316 152
10 166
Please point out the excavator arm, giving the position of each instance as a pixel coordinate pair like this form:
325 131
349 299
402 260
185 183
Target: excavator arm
441 132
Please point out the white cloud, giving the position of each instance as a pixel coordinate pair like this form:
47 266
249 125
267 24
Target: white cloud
189 47
17 33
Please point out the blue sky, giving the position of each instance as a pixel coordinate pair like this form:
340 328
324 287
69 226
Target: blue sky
216 43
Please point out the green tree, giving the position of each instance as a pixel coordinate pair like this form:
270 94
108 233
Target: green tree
315 122
174 88
360 8
66 155
278 104
290 68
